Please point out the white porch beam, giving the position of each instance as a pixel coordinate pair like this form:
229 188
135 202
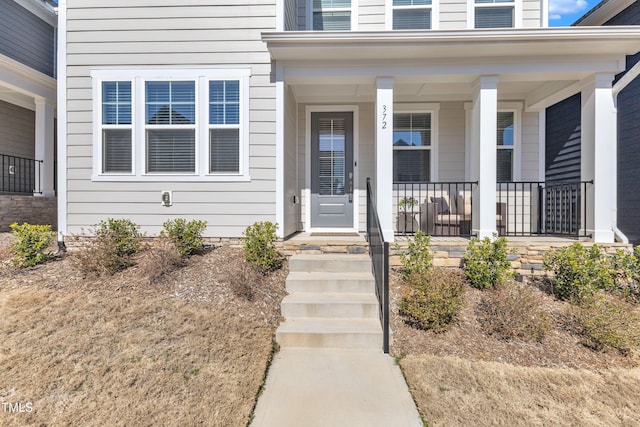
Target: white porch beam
484 112
384 155
599 136
44 149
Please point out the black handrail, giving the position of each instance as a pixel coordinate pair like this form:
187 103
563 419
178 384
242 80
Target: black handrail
379 253
19 175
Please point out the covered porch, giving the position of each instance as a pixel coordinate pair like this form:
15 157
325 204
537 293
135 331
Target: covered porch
450 126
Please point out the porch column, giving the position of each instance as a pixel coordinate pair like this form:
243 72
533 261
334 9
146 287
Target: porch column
384 154
44 147
484 113
598 159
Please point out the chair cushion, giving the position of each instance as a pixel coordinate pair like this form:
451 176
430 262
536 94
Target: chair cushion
442 206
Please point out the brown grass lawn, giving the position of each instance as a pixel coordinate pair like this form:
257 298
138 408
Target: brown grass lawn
465 377
122 351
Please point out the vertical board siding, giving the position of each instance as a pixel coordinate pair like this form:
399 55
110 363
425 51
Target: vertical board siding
562 150
177 34
18 131
26 38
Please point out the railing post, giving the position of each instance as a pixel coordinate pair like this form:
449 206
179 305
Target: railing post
385 316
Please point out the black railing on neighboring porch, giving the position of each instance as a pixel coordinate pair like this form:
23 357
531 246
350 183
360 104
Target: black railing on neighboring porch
379 253
528 208
19 175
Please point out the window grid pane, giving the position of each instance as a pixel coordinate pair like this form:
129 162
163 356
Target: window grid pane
412 19
504 165
170 103
116 103
224 102
331 21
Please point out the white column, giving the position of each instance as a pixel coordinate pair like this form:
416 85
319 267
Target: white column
280 202
484 113
384 155
44 147
598 157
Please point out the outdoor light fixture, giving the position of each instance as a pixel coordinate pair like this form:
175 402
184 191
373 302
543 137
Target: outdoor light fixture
167 198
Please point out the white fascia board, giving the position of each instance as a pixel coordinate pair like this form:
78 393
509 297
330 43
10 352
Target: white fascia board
371 45
602 12
26 80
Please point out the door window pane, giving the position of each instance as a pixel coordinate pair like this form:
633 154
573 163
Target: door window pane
331 156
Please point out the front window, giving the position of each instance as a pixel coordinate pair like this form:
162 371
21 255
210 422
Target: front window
411 14
494 13
412 147
505 143
193 125
331 15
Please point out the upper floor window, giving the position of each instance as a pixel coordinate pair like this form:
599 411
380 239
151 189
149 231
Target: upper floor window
506 144
331 15
412 14
494 13
412 147
182 124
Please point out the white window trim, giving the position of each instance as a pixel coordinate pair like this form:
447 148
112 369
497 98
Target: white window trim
137 79
353 9
471 12
516 108
435 13
434 110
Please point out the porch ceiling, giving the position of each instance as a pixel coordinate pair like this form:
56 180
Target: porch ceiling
21 85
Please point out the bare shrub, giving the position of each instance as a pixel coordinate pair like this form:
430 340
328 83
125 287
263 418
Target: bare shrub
606 321
433 299
112 249
513 310
162 258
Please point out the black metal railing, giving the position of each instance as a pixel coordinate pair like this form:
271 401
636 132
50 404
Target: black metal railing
19 175
533 208
436 208
379 253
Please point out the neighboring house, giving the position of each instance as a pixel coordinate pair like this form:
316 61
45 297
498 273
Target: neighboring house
244 111
626 92
27 109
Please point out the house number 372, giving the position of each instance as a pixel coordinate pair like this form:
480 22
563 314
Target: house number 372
383 121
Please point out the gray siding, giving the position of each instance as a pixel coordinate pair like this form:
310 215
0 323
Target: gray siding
629 139
451 155
17 130
126 34
26 38
371 15
562 152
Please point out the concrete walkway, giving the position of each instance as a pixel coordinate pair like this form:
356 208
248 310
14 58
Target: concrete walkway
335 387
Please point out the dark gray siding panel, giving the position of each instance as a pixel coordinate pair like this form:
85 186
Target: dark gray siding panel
562 152
629 16
17 130
629 161
26 38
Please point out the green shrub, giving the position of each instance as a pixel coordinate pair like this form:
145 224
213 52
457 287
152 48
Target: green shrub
627 273
606 321
186 236
579 271
433 299
485 262
418 257
259 246
31 244
116 241
513 310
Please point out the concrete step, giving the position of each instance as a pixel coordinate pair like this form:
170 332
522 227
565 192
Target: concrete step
330 263
330 333
331 305
330 282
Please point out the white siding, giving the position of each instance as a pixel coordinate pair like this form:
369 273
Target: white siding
127 34
451 141
531 10
529 147
371 15
453 14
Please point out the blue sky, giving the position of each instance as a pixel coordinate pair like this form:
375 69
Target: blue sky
566 12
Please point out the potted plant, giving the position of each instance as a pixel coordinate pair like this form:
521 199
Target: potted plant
406 204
